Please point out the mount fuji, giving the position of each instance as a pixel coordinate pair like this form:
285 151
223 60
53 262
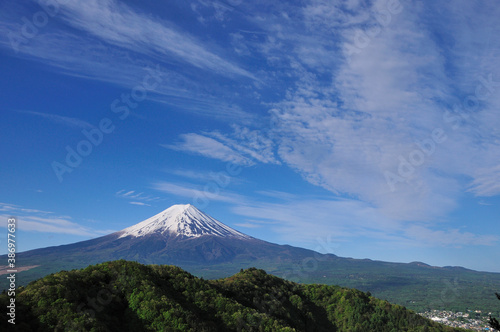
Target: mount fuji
180 235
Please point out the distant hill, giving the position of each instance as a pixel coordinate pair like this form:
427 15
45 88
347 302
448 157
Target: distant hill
128 296
185 236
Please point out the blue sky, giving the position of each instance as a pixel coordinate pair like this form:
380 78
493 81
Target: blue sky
369 129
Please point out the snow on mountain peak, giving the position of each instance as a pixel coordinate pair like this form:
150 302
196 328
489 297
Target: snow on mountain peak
185 220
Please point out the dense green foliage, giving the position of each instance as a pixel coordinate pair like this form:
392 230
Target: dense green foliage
127 296
417 286
494 323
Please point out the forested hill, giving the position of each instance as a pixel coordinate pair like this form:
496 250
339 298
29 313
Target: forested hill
128 296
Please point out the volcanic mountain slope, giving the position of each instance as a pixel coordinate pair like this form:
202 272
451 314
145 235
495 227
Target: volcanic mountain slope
184 236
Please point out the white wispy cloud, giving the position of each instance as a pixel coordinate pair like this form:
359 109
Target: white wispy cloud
64 120
303 220
242 146
486 182
203 104
118 24
197 193
384 93
208 147
449 237
16 209
135 195
214 10
83 57
104 37
46 222
251 143
139 203
378 107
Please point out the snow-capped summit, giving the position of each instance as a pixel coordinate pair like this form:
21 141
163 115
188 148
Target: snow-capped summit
185 220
